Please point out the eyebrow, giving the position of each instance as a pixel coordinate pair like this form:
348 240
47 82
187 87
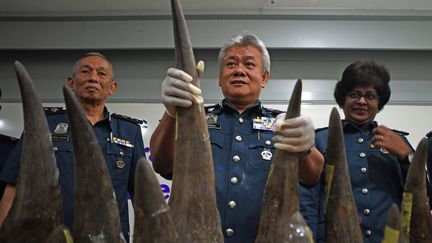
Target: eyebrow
97 68
236 57
367 91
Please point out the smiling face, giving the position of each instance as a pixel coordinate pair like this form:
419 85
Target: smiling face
360 111
242 77
92 80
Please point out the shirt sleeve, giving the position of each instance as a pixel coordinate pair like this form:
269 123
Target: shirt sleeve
10 172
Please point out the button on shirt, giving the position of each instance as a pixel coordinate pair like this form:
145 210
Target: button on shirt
121 160
240 169
376 178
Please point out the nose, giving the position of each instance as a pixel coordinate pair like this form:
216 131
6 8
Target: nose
239 71
93 77
362 100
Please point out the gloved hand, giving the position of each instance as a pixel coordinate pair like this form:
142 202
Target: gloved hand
177 91
295 135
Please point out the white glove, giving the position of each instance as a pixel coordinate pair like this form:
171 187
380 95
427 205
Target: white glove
295 135
177 91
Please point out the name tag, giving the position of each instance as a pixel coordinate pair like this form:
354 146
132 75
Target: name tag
264 124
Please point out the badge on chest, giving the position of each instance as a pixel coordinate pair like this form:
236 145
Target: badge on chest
60 133
212 121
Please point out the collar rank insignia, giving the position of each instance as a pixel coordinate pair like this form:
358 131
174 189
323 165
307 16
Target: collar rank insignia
264 123
122 142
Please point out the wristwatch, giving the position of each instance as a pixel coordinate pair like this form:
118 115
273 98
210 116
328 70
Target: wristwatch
408 157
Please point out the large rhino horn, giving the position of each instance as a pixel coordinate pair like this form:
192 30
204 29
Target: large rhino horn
342 223
392 231
37 207
416 218
281 192
153 221
193 198
96 216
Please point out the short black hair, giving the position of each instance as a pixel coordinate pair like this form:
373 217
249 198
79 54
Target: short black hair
89 54
364 74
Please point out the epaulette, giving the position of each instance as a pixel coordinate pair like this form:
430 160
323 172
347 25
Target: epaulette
53 110
128 118
8 138
400 132
273 112
429 134
210 108
320 129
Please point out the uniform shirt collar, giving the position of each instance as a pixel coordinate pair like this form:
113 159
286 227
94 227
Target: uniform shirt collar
106 118
255 108
349 126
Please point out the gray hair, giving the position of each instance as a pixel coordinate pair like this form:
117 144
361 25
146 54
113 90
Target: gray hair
245 39
89 54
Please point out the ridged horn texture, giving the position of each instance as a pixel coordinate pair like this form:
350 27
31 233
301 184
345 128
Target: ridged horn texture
96 216
61 234
342 222
392 231
281 192
37 209
153 221
193 198
415 199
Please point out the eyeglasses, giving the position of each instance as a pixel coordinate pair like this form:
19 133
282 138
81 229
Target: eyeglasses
369 96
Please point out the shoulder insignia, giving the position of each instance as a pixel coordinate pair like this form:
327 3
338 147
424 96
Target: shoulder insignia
53 110
128 118
273 112
429 134
321 129
212 108
400 132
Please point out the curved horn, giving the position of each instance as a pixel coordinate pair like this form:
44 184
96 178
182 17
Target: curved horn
37 207
342 223
281 193
96 216
193 198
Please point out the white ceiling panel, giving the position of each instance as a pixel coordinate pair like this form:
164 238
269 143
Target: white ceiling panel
210 5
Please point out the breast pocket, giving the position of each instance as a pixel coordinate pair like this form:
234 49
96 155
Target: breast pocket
64 157
217 141
262 151
118 159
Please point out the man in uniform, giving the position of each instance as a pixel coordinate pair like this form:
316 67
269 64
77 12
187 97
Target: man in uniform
243 144
119 136
6 145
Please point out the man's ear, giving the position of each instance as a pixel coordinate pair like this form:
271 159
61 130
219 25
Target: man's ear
113 87
70 82
265 79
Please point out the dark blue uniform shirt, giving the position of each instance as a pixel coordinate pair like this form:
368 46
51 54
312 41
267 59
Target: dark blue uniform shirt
113 133
377 181
242 158
6 146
